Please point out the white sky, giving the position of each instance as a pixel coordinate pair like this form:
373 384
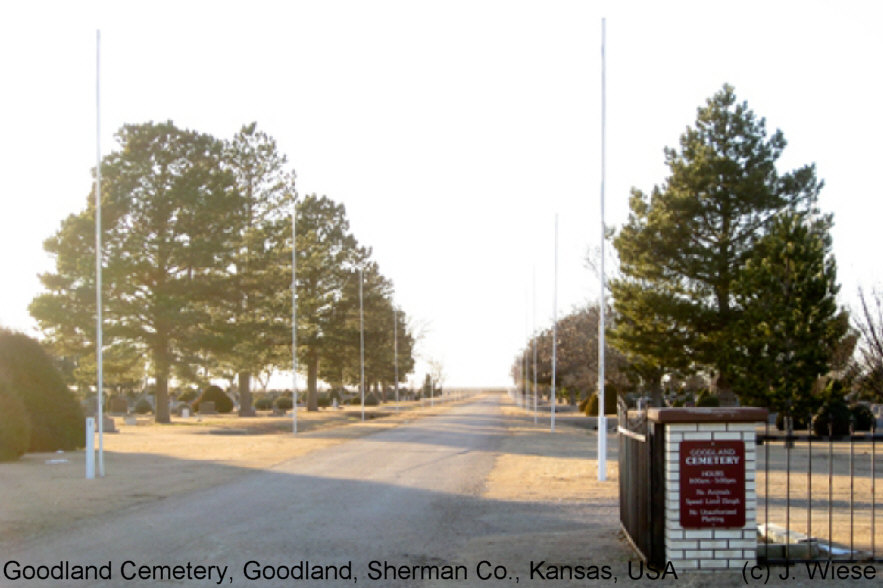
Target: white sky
452 131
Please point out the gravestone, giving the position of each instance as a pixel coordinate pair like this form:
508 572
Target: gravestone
108 425
207 407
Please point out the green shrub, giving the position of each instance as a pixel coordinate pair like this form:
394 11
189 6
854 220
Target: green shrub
323 401
583 404
143 406
706 398
591 405
863 417
836 413
188 395
223 404
263 403
15 425
284 402
834 410
370 400
57 421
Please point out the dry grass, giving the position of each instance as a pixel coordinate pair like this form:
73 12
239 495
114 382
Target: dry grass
538 465
860 493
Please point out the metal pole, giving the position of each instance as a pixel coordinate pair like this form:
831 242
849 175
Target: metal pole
395 351
602 419
534 335
555 326
362 343
294 315
99 340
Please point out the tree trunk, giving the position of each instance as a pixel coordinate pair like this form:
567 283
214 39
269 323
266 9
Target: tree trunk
246 407
725 394
312 381
161 398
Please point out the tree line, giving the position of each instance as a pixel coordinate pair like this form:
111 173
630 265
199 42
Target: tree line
197 272
725 269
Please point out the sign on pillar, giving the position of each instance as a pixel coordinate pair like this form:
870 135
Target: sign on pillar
712 484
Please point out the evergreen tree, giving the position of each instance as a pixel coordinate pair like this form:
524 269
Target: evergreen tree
260 268
685 244
790 326
327 257
168 210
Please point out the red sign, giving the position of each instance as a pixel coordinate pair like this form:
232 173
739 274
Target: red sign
712 484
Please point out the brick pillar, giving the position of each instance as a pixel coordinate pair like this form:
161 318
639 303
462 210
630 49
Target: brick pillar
712 543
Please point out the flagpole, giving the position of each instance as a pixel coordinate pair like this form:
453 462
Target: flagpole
533 327
554 325
602 418
362 343
395 350
294 315
99 342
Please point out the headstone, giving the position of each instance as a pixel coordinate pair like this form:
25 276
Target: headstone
185 412
108 425
207 407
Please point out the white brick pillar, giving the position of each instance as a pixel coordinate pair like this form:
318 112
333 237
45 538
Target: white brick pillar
711 543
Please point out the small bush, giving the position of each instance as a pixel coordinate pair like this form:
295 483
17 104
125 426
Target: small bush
862 417
57 421
188 395
143 406
706 398
834 411
284 402
370 400
15 424
323 401
263 403
591 406
223 404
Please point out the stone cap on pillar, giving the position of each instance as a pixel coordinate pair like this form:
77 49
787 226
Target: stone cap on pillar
702 414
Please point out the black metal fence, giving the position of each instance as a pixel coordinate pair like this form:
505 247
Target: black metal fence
642 483
817 496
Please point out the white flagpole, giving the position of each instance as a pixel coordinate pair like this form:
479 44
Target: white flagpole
362 343
527 351
602 418
533 327
395 351
294 315
99 342
554 325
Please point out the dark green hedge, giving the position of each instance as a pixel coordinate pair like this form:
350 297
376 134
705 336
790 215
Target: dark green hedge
15 425
223 404
57 421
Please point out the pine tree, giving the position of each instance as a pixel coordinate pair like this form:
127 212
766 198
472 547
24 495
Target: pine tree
685 244
790 324
167 214
260 267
